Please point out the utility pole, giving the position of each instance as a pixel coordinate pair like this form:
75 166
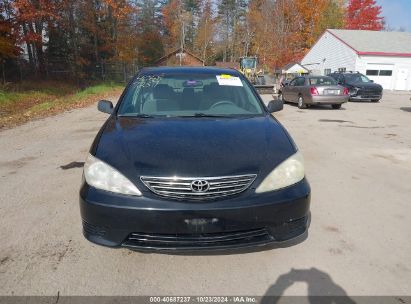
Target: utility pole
205 42
182 41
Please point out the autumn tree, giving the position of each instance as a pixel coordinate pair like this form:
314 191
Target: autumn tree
80 38
332 16
9 35
259 26
232 16
123 30
181 21
190 15
295 25
34 16
364 15
150 44
309 16
172 12
203 43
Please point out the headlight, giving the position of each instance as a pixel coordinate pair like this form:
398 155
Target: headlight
289 172
102 176
355 90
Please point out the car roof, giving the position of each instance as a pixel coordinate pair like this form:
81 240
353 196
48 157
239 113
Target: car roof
189 70
345 73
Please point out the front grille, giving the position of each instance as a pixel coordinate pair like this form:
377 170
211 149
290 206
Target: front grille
181 187
369 92
196 241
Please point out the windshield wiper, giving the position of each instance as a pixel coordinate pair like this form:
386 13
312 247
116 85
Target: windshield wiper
141 115
206 115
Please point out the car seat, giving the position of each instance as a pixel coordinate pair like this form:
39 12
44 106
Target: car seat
163 98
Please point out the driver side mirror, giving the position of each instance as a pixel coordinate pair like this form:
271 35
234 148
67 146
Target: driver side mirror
105 106
275 106
371 80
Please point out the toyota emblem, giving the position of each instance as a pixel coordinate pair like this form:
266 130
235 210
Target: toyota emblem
199 185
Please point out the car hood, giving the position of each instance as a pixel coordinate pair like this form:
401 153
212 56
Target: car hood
192 147
364 85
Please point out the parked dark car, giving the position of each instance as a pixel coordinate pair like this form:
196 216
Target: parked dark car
190 159
313 90
359 86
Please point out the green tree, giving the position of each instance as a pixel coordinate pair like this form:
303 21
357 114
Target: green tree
332 17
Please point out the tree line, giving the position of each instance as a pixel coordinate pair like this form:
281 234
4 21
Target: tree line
80 37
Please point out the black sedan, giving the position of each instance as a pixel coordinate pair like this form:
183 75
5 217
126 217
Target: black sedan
359 86
191 159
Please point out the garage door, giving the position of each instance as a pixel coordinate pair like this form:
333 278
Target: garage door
381 74
402 77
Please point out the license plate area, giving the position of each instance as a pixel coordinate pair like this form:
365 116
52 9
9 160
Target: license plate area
201 225
332 92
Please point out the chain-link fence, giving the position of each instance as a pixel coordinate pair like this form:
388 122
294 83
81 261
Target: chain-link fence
20 70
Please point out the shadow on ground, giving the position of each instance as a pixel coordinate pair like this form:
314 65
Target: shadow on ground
316 107
321 288
406 109
363 101
72 165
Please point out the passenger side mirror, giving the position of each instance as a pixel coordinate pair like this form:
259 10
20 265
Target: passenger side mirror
105 106
371 80
275 106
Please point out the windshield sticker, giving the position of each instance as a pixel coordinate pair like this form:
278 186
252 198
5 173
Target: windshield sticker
225 76
228 80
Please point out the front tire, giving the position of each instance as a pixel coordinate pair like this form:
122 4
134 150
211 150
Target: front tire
375 100
260 80
301 104
280 97
336 106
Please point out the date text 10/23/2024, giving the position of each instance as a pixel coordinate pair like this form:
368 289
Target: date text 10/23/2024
203 299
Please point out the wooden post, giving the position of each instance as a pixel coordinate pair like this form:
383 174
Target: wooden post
124 72
3 72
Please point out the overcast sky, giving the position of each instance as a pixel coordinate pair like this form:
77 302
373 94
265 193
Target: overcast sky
397 13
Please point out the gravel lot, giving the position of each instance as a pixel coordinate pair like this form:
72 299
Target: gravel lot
358 161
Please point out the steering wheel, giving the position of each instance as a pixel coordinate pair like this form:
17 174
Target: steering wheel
223 102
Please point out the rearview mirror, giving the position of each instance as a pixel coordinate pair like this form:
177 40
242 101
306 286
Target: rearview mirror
105 106
275 106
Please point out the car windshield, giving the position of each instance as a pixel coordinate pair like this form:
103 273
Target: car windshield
248 63
189 95
357 78
319 81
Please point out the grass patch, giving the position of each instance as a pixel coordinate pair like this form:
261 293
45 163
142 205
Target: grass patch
96 89
23 102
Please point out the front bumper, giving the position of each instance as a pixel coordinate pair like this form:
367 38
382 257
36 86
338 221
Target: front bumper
365 97
154 223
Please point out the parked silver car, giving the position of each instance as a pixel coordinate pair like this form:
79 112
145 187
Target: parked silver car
312 90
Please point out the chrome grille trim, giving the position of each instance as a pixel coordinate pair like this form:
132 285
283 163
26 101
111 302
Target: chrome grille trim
180 187
197 241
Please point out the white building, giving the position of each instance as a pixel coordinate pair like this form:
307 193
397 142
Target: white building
294 69
384 57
